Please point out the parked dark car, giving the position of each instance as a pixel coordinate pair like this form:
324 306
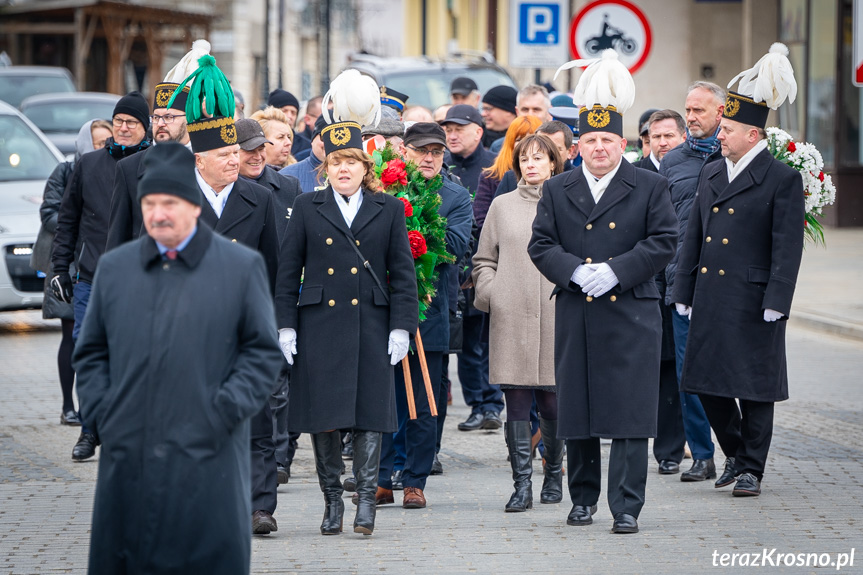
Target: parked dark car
60 116
427 80
19 82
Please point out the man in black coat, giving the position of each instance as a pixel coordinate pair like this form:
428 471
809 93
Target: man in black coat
665 131
168 376
601 234
82 223
737 271
683 167
243 212
284 189
169 125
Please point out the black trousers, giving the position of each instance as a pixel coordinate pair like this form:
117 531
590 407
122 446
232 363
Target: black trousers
670 436
264 478
627 473
743 432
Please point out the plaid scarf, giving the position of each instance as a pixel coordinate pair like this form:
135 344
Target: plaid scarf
704 146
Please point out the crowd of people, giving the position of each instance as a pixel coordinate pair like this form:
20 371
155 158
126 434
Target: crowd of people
254 283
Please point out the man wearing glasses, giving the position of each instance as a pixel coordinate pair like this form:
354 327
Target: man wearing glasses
411 452
169 125
82 222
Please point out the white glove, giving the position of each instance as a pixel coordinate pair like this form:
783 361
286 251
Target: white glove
684 310
288 343
398 345
600 281
772 315
581 273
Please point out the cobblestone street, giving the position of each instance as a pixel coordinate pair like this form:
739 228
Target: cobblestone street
811 502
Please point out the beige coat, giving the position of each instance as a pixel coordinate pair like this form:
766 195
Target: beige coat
516 295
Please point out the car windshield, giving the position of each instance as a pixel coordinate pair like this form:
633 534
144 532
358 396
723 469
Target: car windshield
23 155
67 116
14 88
432 90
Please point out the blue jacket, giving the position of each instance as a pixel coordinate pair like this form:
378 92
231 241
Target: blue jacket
306 172
682 168
457 210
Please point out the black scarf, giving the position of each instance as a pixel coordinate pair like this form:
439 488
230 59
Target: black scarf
119 152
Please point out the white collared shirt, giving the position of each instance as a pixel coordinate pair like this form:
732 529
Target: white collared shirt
654 160
216 199
350 208
735 170
599 185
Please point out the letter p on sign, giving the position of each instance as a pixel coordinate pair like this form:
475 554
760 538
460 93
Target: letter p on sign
538 23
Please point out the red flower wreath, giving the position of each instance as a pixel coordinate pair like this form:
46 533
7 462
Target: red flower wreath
409 209
394 172
418 243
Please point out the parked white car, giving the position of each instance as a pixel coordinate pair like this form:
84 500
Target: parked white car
27 158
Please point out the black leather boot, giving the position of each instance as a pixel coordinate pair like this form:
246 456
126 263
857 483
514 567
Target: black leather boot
328 463
518 442
552 483
367 459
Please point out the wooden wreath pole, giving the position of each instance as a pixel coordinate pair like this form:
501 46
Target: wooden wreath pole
409 389
426 379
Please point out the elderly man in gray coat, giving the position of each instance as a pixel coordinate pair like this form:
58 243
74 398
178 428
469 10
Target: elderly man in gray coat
168 377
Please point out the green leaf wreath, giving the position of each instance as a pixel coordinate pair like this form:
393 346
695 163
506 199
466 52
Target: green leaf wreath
426 227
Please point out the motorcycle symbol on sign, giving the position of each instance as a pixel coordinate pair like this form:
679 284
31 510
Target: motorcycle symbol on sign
610 37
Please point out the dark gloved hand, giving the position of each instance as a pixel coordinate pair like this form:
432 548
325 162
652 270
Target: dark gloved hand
61 285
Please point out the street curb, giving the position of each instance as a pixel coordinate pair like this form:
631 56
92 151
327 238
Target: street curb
827 324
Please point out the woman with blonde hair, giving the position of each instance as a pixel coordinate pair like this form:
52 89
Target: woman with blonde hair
347 246
491 176
521 335
274 122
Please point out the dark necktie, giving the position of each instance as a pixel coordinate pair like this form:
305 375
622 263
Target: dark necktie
347 199
171 254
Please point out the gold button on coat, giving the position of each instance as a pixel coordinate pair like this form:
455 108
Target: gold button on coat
704 270
722 272
588 260
358 242
355 301
611 225
707 239
613 298
329 241
332 302
331 271
353 270
730 211
588 227
589 298
715 210
234 240
724 240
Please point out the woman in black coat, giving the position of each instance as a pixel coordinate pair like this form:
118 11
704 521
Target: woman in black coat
346 317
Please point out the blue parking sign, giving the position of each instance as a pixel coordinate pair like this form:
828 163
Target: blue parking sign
539 23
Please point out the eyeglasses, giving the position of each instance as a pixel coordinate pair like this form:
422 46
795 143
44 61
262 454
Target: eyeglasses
131 124
423 152
167 118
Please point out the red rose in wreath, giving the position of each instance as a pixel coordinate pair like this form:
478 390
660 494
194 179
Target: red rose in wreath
418 243
791 147
409 209
394 172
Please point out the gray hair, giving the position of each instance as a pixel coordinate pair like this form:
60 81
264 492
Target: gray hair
717 91
532 89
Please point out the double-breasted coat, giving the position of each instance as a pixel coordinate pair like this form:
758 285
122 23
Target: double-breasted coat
342 377
607 349
741 255
173 358
513 292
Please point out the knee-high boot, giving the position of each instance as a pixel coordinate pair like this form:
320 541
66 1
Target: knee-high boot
552 483
367 458
518 441
328 464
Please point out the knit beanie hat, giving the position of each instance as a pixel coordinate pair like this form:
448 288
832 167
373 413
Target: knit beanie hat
134 105
169 168
281 98
502 97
